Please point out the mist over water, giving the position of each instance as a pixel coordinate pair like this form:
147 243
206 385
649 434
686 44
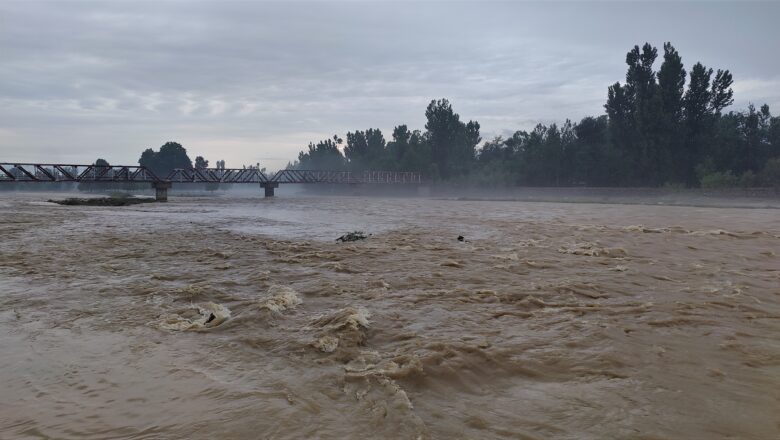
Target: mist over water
241 317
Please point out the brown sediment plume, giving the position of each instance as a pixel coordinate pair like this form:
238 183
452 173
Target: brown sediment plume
593 250
345 329
552 321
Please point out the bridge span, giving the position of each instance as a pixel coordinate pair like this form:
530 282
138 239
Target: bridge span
38 172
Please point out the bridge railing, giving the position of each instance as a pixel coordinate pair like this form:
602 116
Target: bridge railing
32 172
391 177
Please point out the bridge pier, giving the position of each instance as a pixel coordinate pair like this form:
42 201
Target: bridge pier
269 188
161 190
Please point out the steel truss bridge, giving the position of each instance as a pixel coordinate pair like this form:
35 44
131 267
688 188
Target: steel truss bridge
38 172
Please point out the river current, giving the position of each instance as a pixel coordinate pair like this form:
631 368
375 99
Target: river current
241 318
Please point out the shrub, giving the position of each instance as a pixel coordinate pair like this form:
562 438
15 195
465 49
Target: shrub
771 172
749 180
725 179
674 186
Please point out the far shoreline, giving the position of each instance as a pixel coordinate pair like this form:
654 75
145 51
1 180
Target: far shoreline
756 198
739 198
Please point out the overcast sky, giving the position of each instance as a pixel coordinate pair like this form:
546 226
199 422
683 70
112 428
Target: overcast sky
254 82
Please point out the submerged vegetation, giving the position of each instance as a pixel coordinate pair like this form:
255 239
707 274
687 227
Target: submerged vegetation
656 131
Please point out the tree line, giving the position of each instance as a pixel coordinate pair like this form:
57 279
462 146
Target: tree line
664 126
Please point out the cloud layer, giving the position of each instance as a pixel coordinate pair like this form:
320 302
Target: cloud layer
255 82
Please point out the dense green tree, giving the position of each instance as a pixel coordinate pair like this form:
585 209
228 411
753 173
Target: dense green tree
659 129
495 150
442 130
655 131
619 108
593 162
365 149
697 120
412 149
398 147
201 163
171 156
324 155
721 94
704 101
773 136
453 143
671 85
754 130
637 111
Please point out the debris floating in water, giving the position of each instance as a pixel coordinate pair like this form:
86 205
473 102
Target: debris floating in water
199 316
352 236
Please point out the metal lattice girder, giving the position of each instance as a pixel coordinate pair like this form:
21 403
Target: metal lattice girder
314 176
68 174
32 172
318 176
251 175
180 175
117 173
142 174
6 175
217 175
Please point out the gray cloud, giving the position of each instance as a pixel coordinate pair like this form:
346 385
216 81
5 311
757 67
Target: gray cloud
250 82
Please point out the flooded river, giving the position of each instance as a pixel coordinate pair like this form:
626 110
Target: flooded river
242 318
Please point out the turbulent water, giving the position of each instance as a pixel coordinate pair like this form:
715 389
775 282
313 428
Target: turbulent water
242 318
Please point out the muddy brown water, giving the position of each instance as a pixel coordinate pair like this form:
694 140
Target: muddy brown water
241 318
